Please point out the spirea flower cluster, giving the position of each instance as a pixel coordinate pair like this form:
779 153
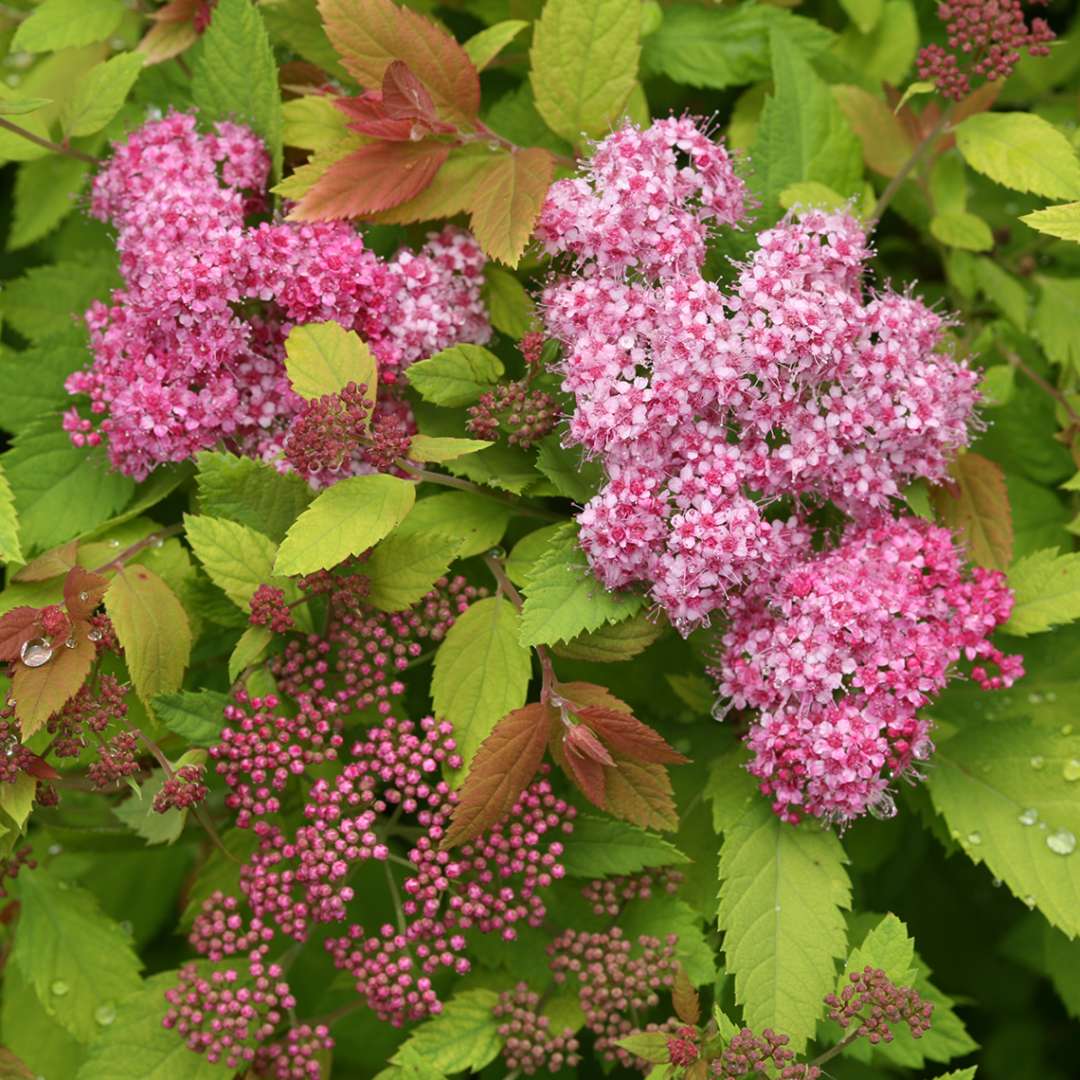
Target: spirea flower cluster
190 351
726 419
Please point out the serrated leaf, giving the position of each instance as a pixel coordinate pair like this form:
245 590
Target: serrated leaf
976 508
476 521
481 672
782 892
809 194
888 947
323 358
464 1036
1055 324
614 642
312 122
63 24
250 492
43 303
584 64
959 1074
563 599
640 792
138 814
1003 291
864 13
39 692
34 380
22 106
1021 151
885 54
625 734
235 76
152 627
197 717
567 468
16 800
802 134
249 650
135 1046
65 943
503 767
599 847
1061 221
507 200
403 567
237 559
370 34
1046 592
486 45
455 376
344 520
450 191
960 229
100 94
650 1046
443 448
46 192
510 307
714 48
10 550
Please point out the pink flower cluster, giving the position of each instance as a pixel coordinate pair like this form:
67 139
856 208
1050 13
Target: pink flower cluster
725 419
985 37
190 351
841 653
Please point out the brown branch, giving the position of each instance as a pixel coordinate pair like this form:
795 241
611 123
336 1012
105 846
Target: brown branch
56 148
1017 362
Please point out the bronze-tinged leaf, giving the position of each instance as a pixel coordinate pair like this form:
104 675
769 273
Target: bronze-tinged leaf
975 506
582 694
508 199
449 193
685 998
376 177
369 35
640 792
367 116
41 691
503 767
16 626
83 591
627 735
586 773
12 1067
49 564
404 95
582 740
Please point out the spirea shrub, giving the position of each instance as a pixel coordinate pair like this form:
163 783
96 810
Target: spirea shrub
523 540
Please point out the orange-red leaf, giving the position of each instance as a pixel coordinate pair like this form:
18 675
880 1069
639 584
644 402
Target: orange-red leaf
582 694
83 591
587 775
505 763
376 177
50 564
627 735
448 194
508 199
370 34
685 998
16 626
41 691
640 792
976 507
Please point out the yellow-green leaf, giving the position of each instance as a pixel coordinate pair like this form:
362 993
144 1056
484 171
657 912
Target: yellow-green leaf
323 358
483 47
100 94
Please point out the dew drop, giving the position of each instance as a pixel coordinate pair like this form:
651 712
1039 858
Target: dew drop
114 543
777 908
71 642
1037 762
105 1014
720 709
1071 770
975 838
84 596
55 849
1028 816
1029 901
496 553
1061 842
59 988
127 926
1035 699
159 542
883 806
922 749
94 634
36 652
1066 729
996 883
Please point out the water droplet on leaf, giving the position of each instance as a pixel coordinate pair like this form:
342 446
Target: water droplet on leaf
36 652
1028 816
71 642
1066 729
975 838
95 634
883 806
922 749
1061 842
105 1014
114 543
84 596
59 988
1037 761
496 553
1071 770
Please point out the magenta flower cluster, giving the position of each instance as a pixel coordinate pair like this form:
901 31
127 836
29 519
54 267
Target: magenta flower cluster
190 351
726 419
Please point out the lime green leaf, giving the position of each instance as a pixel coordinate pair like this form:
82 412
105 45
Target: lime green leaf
249 650
152 627
238 559
464 1036
17 798
998 385
297 25
584 64
532 546
1006 793
811 194
887 947
455 376
510 307
478 523
1003 291
10 551
138 814
45 194
32 1033
100 94
485 46
1021 151
781 894
914 90
959 229
252 493
1057 320
959 1074
568 470
77 959
864 13
323 358
34 380
506 202
599 847
500 466
481 672
614 642
650 1046
40 304
714 48
196 717
1046 590
1061 221
236 76
404 567
344 520
60 490
887 52
443 448
135 1046
22 106
802 135
63 24
563 599
312 122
